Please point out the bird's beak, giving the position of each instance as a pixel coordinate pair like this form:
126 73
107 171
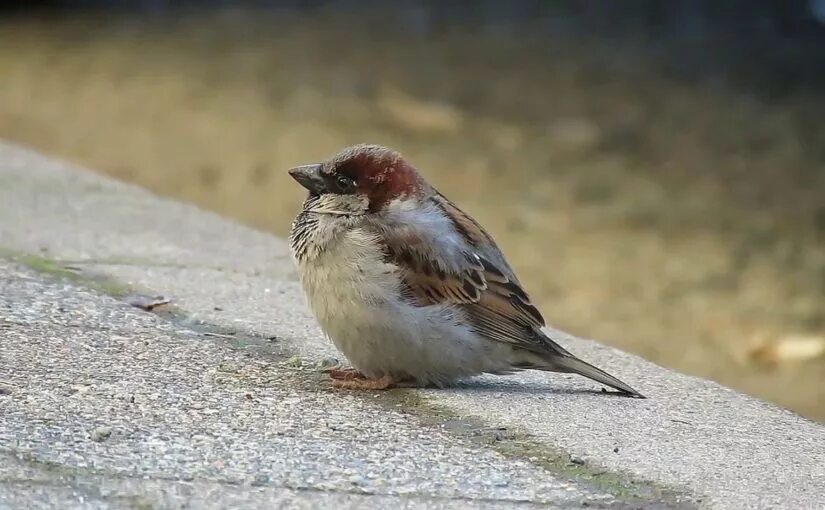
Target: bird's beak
309 176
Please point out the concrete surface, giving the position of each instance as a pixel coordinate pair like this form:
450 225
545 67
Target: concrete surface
102 396
216 401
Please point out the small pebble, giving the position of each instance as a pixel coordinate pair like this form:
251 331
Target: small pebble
357 480
147 303
260 480
6 389
100 434
228 367
295 361
327 363
577 460
616 450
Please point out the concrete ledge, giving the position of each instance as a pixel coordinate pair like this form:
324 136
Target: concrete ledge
108 404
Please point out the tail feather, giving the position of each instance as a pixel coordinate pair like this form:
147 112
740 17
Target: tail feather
574 365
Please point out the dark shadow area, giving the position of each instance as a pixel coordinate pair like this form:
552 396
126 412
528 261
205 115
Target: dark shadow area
548 388
771 48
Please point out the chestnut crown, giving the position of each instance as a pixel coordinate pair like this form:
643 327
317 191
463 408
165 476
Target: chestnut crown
378 173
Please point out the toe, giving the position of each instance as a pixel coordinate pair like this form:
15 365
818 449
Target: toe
381 383
344 374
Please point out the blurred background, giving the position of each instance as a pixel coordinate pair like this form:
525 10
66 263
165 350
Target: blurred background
654 170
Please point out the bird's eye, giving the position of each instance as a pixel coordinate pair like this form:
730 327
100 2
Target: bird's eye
344 183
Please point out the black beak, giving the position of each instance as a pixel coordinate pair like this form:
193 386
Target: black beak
309 176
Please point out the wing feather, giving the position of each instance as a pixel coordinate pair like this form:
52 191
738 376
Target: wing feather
485 288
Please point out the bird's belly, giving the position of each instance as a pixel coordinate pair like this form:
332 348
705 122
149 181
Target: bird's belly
404 341
348 285
352 292
356 300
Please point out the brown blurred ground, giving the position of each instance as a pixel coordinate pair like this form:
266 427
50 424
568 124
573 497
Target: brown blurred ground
679 220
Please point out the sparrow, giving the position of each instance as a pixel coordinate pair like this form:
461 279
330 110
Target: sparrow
410 288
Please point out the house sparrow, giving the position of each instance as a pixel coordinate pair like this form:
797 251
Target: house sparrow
411 289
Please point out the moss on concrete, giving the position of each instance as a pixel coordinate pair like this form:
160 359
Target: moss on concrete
517 444
73 273
79 274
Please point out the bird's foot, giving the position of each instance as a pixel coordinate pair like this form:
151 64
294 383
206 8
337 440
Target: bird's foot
344 374
352 379
362 383
359 381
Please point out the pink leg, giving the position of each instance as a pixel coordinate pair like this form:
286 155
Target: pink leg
360 382
382 383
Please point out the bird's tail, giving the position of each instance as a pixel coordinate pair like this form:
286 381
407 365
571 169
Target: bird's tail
574 365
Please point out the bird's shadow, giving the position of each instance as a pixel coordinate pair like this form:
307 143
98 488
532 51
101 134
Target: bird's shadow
497 386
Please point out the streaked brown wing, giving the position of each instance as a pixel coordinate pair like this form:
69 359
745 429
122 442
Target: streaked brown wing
493 300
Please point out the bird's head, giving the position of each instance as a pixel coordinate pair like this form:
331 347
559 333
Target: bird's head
361 179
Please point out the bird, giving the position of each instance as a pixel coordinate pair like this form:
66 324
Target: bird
408 287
